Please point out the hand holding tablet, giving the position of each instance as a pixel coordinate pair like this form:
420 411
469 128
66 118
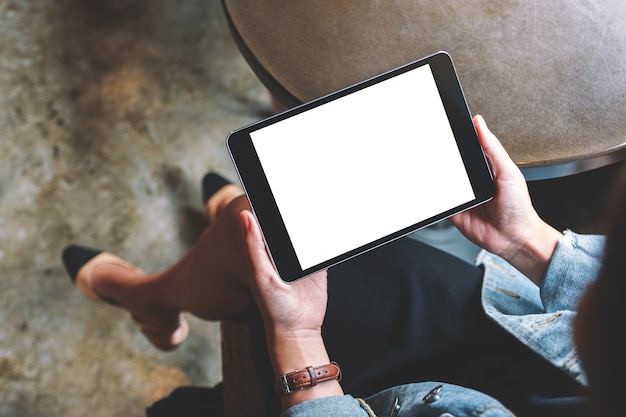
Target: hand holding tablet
353 170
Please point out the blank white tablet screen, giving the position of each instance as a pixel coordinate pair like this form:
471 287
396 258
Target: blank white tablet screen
363 166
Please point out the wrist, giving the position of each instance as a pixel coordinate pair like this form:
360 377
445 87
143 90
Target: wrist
532 256
291 352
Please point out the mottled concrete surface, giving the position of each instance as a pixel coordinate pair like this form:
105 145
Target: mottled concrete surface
110 113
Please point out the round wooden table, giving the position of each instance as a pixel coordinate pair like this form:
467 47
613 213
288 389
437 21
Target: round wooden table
548 76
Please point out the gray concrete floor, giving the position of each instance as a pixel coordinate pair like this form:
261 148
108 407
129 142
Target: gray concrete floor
111 111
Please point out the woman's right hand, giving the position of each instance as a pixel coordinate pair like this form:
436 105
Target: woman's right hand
508 225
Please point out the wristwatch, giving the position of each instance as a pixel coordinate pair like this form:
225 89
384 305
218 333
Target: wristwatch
307 377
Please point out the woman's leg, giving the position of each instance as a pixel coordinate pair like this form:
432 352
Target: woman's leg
209 281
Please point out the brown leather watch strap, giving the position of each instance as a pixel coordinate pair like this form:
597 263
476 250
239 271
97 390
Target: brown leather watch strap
307 377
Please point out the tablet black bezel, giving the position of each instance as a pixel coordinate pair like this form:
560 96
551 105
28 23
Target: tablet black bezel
258 191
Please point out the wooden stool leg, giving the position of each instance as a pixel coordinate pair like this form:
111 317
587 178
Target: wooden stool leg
242 389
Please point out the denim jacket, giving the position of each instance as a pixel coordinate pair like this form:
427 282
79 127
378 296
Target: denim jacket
539 317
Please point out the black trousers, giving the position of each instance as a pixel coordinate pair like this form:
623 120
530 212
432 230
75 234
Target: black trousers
407 312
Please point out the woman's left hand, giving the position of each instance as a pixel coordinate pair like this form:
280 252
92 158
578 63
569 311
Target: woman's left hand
293 314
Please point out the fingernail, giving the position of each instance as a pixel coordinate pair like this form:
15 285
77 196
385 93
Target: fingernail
484 123
245 219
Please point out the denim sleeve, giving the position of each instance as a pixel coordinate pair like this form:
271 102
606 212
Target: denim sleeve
575 264
423 399
338 406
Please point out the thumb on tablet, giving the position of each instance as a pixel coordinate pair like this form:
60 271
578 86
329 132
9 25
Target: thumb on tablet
499 160
261 266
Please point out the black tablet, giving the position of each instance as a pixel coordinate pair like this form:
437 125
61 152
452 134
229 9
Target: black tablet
353 170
